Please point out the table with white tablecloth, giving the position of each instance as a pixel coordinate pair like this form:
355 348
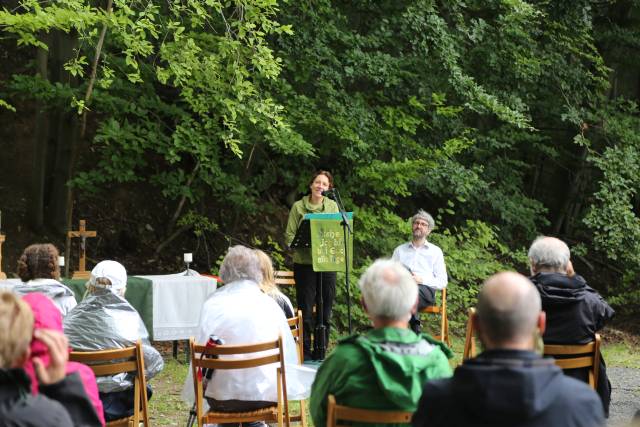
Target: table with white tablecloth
169 304
177 302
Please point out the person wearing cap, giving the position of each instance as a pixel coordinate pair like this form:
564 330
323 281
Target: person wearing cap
39 271
105 320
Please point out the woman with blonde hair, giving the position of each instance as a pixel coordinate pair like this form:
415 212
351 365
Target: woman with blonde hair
269 287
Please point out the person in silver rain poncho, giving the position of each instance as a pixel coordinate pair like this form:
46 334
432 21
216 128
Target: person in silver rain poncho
105 320
38 269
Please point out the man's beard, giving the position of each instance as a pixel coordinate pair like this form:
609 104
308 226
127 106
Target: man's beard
419 234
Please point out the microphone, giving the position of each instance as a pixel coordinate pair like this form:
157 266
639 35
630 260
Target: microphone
329 193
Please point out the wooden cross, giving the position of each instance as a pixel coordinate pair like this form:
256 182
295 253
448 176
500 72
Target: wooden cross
2 275
83 234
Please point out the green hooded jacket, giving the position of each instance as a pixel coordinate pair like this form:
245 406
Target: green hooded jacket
297 212
382 369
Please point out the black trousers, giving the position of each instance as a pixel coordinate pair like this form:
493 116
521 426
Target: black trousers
426 297
120 404
307 295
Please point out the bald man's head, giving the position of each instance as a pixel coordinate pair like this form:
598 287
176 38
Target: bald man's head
508 309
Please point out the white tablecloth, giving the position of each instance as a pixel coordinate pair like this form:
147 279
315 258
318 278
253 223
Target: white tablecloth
177 302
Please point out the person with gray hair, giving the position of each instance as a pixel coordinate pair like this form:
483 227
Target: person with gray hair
424 261
575 311
508 384
240 313
386 367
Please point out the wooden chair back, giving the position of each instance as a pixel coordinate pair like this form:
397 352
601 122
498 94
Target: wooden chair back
284 278
337 413
199 362
572 356
115 361
470 337
295 323
444 321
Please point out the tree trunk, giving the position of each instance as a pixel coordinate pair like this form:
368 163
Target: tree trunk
39 169
64 131
573 189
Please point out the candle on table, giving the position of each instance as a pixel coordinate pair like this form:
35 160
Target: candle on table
188 257
61 261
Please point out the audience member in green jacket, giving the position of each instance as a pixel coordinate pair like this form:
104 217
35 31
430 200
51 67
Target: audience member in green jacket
387 367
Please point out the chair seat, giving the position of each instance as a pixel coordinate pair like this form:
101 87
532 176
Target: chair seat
276 412
118 422
257 412
440 310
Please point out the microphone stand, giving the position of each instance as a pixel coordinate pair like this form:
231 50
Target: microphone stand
347 231
320 342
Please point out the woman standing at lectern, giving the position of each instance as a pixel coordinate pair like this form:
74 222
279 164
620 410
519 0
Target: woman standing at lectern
307 280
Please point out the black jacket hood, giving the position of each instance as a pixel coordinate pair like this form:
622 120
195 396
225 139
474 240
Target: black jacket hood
514 386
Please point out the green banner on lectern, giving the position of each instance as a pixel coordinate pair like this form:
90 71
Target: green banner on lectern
327 241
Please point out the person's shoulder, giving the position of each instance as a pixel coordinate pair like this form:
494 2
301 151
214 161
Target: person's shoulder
434 247
344 357
38 410
347 347
577 393
332 205
402 246
579 401
437 394
438 388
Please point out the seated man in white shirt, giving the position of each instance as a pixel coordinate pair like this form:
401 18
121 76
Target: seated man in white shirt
425 261
240 313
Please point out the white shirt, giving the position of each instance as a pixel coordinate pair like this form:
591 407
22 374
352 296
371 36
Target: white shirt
426 261
240 313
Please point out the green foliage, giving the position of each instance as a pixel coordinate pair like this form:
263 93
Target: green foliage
200 223
473 253
498 115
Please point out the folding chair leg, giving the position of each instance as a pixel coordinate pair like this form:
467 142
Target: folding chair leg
303 414
446 331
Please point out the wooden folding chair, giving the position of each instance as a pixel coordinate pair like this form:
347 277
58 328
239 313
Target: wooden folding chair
111 362
295 323
337 413
470 338
444 321
274 413
284 278
572 356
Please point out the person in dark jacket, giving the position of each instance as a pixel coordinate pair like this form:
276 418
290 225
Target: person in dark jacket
508 384
575 311
62 401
